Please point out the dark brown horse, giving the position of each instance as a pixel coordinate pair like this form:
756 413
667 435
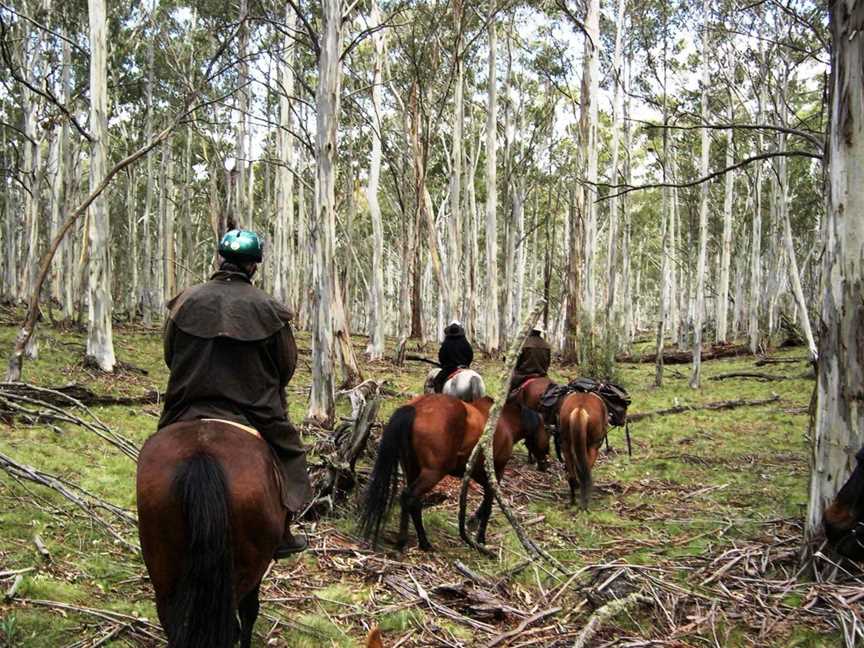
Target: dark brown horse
530 391
844 518
431 437
583 424
209 518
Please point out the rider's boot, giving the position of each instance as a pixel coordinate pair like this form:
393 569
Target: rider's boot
290 544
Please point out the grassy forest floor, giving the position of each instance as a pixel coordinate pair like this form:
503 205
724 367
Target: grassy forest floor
704 520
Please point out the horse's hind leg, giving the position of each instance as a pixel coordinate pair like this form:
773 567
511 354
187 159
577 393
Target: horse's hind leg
483 513
412 501
248 612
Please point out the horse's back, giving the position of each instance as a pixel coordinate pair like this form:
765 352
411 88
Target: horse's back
255 511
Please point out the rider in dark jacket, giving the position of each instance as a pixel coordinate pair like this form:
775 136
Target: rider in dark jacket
231 353
533 361
455 352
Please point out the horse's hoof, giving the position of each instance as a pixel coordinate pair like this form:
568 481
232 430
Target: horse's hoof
425 546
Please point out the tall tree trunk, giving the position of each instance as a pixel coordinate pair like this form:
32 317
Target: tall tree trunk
240 214
322 397
699 311
285 255
588 135
726 243
492 337
783 215
169 264
100 340
613 327
375 348
756 247
455 223
147 288
626 268
839 422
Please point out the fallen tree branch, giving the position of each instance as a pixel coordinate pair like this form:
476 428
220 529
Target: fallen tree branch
754 375
418 358
717 405
769 361
605 613
17 399
521 627
82 395
484 447
89 503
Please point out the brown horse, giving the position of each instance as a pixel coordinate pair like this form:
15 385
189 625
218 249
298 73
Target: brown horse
844 518
530 391
583 423
433 436
209 518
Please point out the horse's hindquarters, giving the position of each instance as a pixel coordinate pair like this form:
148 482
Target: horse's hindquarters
166 498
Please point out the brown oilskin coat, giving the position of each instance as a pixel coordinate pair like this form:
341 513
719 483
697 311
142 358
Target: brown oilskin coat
231 352
534 360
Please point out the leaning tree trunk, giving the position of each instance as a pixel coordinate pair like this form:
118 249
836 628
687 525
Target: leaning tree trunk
699 311
375 348
322 397
492 340
839 423
100 340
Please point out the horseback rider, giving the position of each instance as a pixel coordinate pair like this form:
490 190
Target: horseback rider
231 353
533 360
455 353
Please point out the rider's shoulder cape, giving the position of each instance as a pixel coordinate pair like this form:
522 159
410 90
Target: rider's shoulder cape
228 306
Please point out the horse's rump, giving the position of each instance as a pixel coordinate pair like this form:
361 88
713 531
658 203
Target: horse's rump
181 468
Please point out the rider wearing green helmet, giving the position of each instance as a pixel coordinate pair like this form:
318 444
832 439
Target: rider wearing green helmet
241 246
231 353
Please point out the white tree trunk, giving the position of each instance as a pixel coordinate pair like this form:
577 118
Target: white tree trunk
839 422
285 255
699 311
322 396
613 327
588 127
375 348
756 248
492 338
147 288
169 265
455 223
100 341
726 242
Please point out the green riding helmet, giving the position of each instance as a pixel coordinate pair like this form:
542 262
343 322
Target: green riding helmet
241 246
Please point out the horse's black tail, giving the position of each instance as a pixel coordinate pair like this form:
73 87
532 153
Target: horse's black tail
384 482
202 610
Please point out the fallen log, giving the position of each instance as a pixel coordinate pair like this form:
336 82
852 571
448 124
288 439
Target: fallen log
761 362
755 375
61 396
672 357
717 405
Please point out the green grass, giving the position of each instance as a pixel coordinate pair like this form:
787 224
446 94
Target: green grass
697 483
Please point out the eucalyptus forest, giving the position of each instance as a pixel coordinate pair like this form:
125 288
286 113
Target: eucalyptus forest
670 191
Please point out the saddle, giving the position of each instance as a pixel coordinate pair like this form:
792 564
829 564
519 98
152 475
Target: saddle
615 397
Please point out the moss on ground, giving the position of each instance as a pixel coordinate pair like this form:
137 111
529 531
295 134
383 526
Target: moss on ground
697 483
